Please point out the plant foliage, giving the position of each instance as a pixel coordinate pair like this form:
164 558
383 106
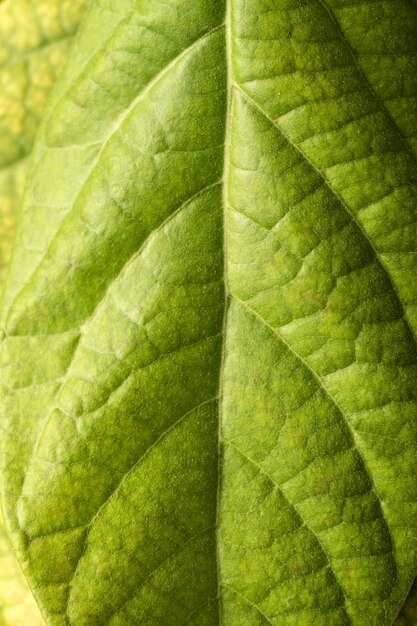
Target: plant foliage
209 351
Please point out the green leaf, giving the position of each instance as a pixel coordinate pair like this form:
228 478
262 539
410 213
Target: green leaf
408 613
210 322
34 42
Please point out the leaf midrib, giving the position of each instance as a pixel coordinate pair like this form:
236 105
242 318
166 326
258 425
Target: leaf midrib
232 84
229 86
228 294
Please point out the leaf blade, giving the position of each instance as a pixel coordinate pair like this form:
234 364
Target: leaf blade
335 308
32 51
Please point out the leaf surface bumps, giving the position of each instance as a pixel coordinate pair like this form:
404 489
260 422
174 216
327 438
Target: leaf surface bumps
210 320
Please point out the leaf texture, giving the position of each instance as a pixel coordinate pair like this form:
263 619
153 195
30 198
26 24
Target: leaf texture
408 613
209 354
34 42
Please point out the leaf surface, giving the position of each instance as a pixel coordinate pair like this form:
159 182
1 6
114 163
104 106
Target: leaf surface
210 322
408 613
34 42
